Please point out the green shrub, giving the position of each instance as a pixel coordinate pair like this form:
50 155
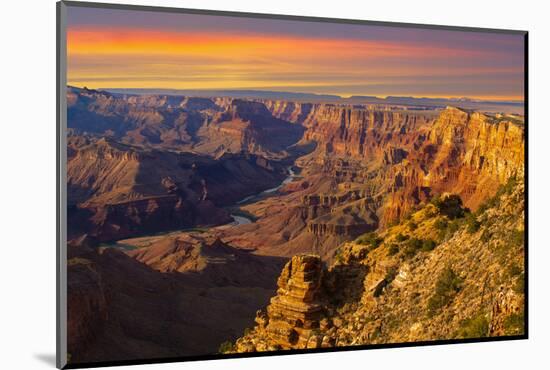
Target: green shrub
447 286
472 224
428 245
401 238
436 201
474 327
484 207
412 225
514 324
370 239
489 203
486 236
450 230
390 275
393 250
507 188
519 285
453 226
450 206
517 237
513 270
412 246
225 347
441 224
430 212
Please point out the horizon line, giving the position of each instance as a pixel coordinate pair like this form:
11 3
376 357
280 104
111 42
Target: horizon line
486 99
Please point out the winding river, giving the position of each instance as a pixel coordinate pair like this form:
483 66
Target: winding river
242 220
238 219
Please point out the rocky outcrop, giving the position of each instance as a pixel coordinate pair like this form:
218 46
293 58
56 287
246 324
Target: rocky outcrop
293 316
343 225
443 278
506 304
349 213
289 111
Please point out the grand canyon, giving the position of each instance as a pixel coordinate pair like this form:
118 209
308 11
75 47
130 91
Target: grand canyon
237 185
222 225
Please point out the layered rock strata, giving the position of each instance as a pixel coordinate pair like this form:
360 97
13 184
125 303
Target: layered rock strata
438 275
293 315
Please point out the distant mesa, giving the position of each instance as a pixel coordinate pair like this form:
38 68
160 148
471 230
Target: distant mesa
464 102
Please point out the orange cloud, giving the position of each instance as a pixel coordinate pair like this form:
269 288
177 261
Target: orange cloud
86 41
134 57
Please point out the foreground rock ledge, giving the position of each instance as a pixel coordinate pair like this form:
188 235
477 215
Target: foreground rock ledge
292 317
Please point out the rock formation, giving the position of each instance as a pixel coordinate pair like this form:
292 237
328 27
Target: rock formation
293 315
370 168
443 273
366 201
117 190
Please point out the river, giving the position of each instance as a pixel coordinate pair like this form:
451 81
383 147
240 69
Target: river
242 220
238 219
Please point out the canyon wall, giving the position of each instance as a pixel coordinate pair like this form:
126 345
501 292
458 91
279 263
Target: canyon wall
392 158
117 190
372 167
409 156
452 276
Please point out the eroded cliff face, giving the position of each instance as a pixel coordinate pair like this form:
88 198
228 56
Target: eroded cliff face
444 273
410 156
474 154
210 126
248 125
371 167
402 157
116 190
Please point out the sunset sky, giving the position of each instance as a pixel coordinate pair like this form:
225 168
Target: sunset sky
135 49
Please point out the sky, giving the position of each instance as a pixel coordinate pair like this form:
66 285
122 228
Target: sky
110 48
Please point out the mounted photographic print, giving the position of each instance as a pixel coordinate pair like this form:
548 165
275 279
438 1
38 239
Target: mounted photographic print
234 184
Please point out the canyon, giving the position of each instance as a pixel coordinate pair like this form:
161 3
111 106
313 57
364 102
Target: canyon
157 183
419 280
